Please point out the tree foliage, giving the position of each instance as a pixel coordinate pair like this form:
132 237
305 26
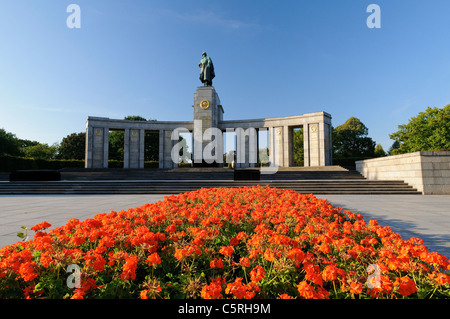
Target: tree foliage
428 131
9 143
350 140
299 154
73 146
379 151
151 142
40 151
13 146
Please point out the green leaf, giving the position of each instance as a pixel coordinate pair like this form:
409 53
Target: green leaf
21 235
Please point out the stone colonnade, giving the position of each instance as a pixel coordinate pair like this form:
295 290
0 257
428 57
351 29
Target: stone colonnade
208 111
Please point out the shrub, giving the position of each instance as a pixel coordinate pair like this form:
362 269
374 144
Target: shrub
252 242
13 163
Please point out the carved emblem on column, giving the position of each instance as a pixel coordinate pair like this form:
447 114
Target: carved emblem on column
204 104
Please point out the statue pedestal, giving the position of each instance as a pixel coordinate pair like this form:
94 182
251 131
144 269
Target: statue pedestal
208 112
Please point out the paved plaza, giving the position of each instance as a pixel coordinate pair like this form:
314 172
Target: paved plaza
426 217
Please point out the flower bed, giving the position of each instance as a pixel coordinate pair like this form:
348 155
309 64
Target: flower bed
255 242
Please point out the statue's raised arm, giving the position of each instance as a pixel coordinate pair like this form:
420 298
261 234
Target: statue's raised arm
206 70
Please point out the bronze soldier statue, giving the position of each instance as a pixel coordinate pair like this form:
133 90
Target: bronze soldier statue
206 70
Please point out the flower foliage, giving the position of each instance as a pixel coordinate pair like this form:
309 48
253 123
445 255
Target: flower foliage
251 242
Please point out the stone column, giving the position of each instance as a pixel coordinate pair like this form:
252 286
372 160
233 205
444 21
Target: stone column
328 145
207 113
134 148
306 145
97 146
161 149
287 147
167 145
276 146
314 144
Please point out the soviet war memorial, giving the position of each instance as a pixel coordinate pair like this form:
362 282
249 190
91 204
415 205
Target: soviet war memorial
245 182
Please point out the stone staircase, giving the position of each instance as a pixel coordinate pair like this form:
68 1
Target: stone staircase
318 180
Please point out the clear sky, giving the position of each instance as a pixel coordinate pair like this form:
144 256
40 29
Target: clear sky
272 58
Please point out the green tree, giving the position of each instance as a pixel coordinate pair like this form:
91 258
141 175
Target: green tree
299 154
9 144
73 146
38 150
151 142
394 146
379 151
350 140
116 145
428 131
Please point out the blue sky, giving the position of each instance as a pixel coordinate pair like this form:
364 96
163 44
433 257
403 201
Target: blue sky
272 58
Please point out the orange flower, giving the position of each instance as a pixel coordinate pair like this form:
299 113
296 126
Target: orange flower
313 273
306 291
153 259
242 291
324 248
269 255
216 263
213 290
171 228
267 224
331 273
407 286
257 273
226 250
236 288
245 262
356 287
180 253
41 226
144 294
95 260
234 241
297 255
28 271
440 278
129 268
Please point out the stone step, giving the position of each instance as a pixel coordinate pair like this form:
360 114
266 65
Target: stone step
319 180
298 173
165 187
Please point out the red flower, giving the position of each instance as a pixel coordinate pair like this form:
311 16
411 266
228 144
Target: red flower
356 287
257 273
213 290
268 225
245 262
28 271
305 290
216 263
40 226
407 286
153 259
313 273
269 255
129 268
226 250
